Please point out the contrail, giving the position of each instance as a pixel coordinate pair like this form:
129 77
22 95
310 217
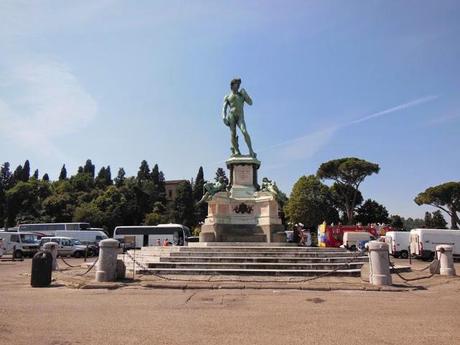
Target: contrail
394 109
381 113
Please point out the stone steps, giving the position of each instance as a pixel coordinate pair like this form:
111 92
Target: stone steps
246 259
250 272
256 265
265 259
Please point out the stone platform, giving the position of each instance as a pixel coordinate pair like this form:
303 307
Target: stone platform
247 259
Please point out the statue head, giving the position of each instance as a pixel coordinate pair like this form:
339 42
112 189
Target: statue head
235 84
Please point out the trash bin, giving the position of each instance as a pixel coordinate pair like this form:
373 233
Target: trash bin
42 265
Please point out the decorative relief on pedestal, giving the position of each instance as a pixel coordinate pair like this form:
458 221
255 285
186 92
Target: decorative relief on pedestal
243 208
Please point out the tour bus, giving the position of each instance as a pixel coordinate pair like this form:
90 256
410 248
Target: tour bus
79 231
19 244
423 242
398 243
51 227
145 236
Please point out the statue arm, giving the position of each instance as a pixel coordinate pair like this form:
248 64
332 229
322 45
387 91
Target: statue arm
224 108
246 97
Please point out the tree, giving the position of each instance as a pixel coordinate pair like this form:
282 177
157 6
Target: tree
311 203
221 173
25 201
411 223
18 174
89 168
183 208
371 212
46 177
35 175
26 171
435 220
120 179
63 174
144 171
396 222
349 172
340 195
201 209
104 178
6 177
445 197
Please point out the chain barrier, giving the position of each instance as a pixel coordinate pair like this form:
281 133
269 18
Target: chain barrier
436 267
72 266
90 268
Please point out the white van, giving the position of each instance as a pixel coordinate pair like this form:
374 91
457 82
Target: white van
84 236
352 238
398 243
19 244
423 242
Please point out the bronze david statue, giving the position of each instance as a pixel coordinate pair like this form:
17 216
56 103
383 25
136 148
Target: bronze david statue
233 116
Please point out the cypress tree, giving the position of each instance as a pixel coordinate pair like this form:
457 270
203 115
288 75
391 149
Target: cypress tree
221 173
46 177
89 168
35 175
144 172
26 171
63 173
120 179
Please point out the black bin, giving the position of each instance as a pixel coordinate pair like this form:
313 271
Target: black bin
42 265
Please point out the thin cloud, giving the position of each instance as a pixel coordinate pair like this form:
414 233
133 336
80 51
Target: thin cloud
42 104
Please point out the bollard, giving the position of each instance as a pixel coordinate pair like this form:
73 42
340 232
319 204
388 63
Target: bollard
51 248
41 269
379 263
106 269
444 253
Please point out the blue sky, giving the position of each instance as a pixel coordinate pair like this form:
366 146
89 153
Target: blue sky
121 81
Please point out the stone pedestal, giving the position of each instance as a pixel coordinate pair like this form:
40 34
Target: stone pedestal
243 213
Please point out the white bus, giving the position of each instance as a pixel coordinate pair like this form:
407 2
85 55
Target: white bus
49 227
150 235
423 242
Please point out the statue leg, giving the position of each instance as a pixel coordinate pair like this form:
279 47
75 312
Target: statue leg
235 146
247 138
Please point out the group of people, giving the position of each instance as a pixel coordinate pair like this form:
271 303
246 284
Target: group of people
301 236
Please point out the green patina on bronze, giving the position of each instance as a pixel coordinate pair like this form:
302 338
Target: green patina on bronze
233 116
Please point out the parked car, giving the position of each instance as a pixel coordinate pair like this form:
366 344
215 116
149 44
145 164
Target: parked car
66 246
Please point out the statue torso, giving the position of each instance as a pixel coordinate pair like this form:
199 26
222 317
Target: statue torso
236 102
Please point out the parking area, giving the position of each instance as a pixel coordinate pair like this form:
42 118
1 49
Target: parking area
138 315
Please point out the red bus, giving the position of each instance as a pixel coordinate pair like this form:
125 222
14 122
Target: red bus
332 235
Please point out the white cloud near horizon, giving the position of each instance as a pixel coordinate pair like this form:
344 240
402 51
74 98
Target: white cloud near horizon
42 103
306 146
